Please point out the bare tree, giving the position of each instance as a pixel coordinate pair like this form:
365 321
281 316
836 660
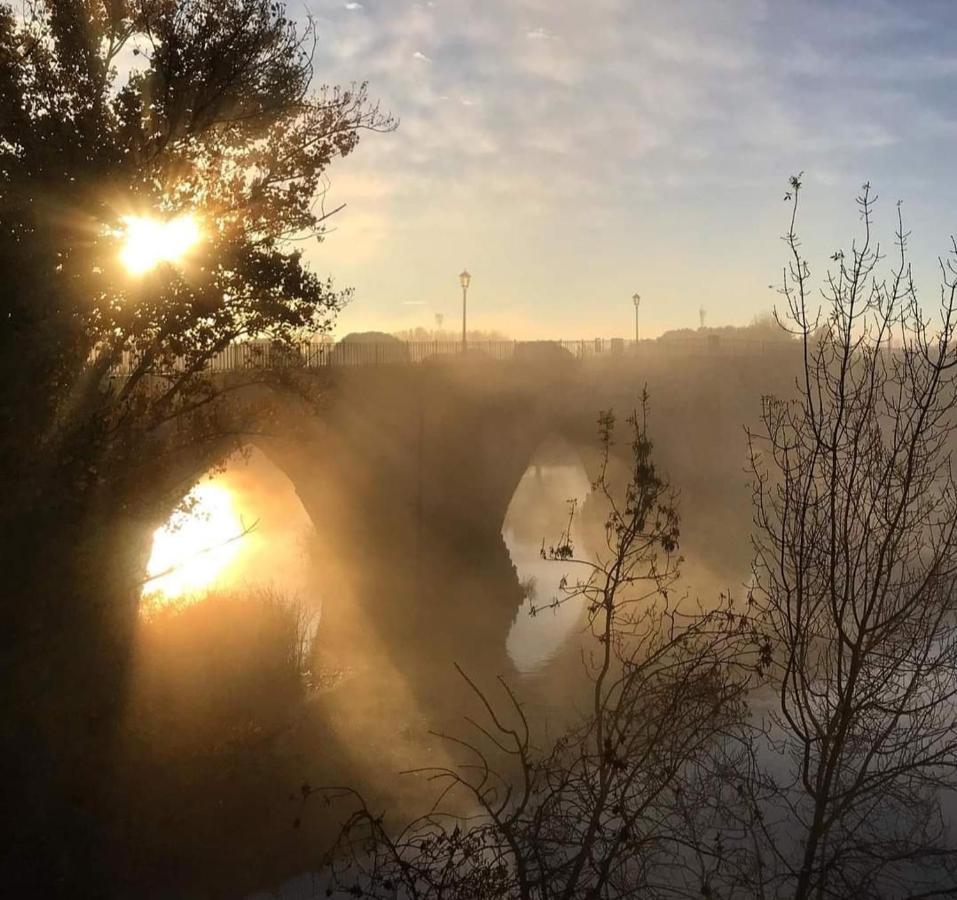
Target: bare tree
600 811
854 580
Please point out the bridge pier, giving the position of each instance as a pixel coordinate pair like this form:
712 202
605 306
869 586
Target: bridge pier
407 481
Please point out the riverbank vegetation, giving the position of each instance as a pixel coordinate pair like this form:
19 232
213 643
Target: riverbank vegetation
799 743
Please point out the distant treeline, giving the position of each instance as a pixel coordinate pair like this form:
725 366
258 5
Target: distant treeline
761 328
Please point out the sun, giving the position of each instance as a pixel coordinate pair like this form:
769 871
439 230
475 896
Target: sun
149 241
196 547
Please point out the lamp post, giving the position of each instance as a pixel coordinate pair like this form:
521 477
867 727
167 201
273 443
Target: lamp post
464 279
636 299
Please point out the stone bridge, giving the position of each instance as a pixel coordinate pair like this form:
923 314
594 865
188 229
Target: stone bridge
407 473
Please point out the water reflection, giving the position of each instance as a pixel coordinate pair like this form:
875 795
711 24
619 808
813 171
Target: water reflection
538 512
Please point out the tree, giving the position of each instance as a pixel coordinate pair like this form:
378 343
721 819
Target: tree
601 811
852 620
111 109
856 558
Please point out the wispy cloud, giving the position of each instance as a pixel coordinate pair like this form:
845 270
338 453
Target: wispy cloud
550 136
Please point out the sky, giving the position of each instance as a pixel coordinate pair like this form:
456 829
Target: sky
570 154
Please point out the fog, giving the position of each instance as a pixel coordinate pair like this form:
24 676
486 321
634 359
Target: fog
339 603
320 648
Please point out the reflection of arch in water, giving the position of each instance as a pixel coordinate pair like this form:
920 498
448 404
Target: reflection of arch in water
537 512
242 525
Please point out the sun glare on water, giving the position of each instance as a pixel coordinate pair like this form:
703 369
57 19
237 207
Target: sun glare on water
196 547
147 242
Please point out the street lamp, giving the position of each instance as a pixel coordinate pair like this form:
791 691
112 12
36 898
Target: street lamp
465 280
636 299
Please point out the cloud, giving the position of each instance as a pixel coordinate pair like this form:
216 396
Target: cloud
352 5
589 135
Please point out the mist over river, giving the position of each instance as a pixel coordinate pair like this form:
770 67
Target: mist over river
369 711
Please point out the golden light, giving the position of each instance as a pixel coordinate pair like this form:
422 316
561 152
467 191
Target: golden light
148 241
196 547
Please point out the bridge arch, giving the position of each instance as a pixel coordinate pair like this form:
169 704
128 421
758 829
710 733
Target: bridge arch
538 513
239 524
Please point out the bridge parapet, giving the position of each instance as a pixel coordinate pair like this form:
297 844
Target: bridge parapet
257 355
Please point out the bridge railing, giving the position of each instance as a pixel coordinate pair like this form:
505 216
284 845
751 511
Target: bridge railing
252 355
356 353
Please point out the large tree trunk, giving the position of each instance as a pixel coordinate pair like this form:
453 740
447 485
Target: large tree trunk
69 620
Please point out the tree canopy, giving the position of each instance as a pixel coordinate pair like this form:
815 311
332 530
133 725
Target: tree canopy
118 115
111 109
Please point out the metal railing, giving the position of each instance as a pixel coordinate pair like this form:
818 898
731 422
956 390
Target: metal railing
251 355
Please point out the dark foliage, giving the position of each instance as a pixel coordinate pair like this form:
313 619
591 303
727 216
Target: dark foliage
110 110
